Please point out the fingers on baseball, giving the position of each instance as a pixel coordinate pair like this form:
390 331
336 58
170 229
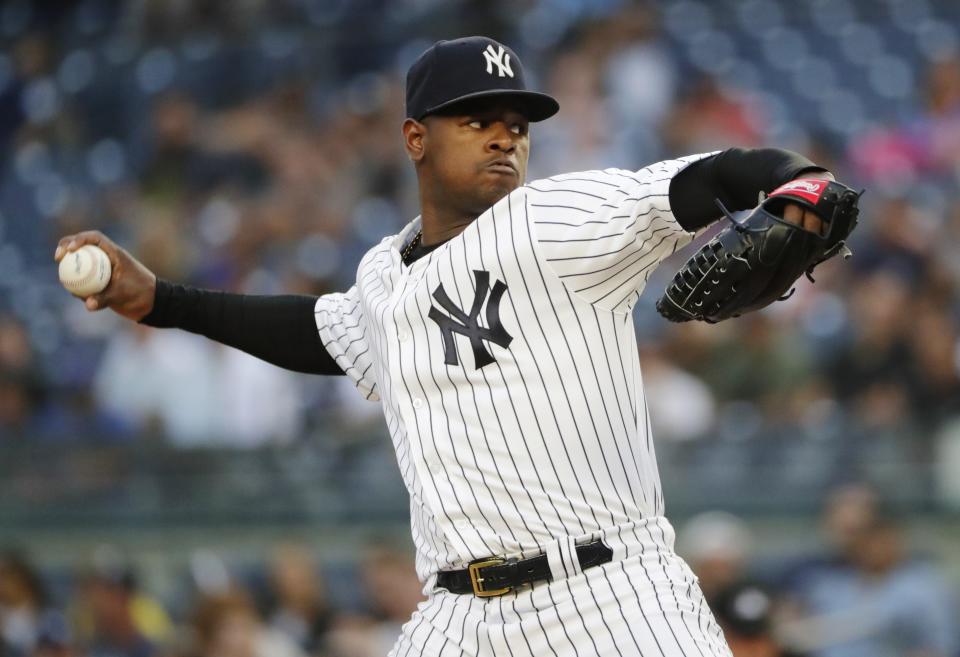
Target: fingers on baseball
74 242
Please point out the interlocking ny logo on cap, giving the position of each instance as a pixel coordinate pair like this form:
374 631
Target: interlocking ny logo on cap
468 325
499 58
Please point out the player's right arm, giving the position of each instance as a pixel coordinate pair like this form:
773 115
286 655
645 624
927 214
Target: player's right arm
280 329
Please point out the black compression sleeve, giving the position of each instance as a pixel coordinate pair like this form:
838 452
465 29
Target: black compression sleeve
278 329
736 176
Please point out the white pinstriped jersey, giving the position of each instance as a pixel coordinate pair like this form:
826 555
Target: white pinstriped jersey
507 366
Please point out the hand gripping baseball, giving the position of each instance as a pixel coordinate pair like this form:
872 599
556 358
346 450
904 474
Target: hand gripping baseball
131 289
751 264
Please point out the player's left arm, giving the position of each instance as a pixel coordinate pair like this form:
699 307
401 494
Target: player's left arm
754 261
604 232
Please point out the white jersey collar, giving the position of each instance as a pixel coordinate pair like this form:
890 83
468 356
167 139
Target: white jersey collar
407 234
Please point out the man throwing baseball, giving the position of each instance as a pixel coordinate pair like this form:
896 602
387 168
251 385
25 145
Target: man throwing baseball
495 330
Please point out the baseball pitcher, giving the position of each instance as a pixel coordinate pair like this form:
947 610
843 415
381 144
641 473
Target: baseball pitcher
495 331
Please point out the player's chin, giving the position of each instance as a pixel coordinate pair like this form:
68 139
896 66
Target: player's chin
499 185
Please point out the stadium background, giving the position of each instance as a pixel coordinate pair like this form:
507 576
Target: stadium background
157 488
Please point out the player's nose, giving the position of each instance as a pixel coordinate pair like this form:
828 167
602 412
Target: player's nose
501 139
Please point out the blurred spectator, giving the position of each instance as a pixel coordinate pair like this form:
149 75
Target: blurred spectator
744 610
716 544
681 406
393 592
180 166
54 638
934 377
227 625
298 608
19 405
139 381
208 395
868 375
847 512
927 143
757 361
639 73
22 603
873 599
21 388
112 616
711 116
579 130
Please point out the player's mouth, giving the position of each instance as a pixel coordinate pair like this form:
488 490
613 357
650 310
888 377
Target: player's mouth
503 167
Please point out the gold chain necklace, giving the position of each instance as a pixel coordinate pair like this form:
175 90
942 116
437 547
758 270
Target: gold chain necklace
410 247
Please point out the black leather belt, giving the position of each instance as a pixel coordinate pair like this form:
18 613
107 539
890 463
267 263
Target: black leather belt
496 576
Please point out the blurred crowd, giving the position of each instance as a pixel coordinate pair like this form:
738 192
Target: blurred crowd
255 147
866 592
258 150
281 608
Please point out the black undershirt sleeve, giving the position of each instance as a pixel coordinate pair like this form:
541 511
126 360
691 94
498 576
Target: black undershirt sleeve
736 176
278 329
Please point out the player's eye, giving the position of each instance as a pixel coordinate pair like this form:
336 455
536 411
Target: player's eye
476 125
516 129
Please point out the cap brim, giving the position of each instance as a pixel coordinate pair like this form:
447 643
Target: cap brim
535 106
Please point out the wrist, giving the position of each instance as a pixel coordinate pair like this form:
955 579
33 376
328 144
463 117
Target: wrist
155 309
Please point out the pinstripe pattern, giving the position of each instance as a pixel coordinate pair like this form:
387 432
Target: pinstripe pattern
547 445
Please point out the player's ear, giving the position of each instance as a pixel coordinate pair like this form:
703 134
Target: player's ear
413 136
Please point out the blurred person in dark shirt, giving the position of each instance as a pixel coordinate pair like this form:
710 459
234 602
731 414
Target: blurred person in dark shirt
31 407
32 58
899 369
933 378
901 241
179 164
868 373
21 388
20 396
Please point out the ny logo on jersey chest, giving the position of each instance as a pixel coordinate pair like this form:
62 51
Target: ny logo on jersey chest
468 324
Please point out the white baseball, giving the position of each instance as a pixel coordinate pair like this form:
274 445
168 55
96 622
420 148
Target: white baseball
85 271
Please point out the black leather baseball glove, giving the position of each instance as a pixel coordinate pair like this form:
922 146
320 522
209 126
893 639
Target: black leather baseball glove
754 262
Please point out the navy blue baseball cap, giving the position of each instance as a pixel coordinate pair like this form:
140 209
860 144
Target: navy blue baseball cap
450 72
